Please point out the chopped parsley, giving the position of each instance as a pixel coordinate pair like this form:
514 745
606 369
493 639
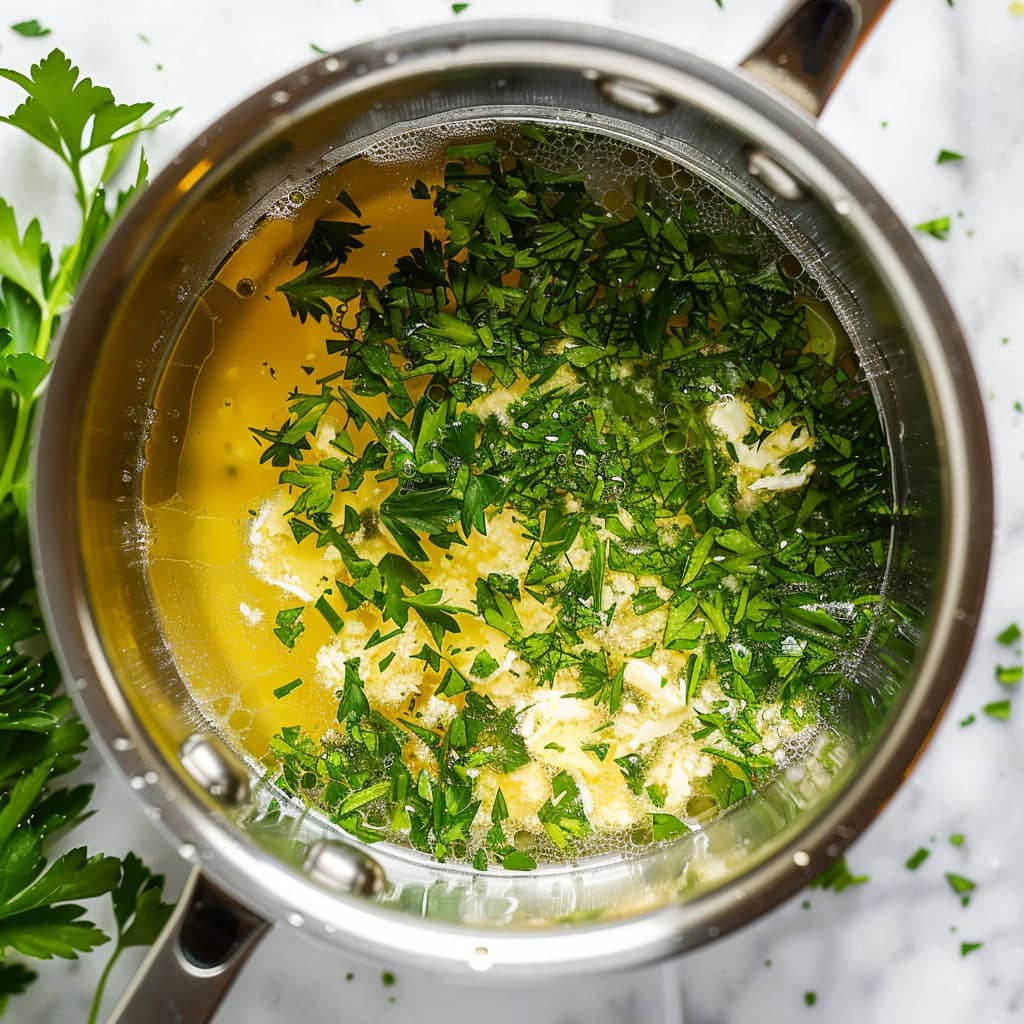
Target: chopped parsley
1009 675
837 877
30 29
283 691
612 337
969 947
948 156
963 887
998 709
288 625
917 858
957 839
1010 635
938 228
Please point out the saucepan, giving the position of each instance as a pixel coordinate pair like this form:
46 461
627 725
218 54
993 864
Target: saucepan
752 135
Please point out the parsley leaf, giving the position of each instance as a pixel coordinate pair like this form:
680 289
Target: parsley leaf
289 626
562 814
917 858
938 228
837 877
31 29
1010 635
39 737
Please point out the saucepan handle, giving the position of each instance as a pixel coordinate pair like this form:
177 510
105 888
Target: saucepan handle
202 948
806 53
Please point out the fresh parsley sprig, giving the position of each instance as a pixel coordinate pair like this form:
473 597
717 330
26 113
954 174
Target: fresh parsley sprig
40 737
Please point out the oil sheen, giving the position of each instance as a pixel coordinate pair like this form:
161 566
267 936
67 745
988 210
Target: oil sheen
617 630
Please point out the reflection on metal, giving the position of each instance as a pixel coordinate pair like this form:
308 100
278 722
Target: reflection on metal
211 764
634 96
343 868
805 55
773 176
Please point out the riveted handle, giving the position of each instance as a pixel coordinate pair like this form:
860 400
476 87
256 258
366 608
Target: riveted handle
805 55
188 972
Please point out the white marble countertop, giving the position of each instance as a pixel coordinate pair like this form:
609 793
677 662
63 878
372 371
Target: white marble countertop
889 951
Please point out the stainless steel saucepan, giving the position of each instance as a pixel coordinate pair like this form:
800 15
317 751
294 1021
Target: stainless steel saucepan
732 129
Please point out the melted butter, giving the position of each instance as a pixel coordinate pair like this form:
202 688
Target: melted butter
224 563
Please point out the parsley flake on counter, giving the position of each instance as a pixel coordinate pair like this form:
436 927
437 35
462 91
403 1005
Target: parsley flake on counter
969 720
938 228
810 998
837 877
917 858
998 709
31 29
963 887
1010 635
947 156
969 947
1009 675
387 979
957 839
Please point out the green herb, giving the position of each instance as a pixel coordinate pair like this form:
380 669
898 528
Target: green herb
284 690
459 8
1009 676
484 665
667 826
532 278
40 738
387 979
948 156
969 720
937 228
957 839
319 49
917 858
518 861
810 998
288 625
139 915
1010 635
562 815
30 28
998 709
969 947
837 877
963 887
331 617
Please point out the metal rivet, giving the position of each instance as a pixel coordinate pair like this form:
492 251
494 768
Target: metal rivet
343 868
636 96
801 858
774 176
212 765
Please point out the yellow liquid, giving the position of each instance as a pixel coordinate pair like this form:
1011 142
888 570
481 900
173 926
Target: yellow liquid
223 562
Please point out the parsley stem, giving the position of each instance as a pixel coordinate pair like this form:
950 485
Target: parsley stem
14 453
101 985
54 301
